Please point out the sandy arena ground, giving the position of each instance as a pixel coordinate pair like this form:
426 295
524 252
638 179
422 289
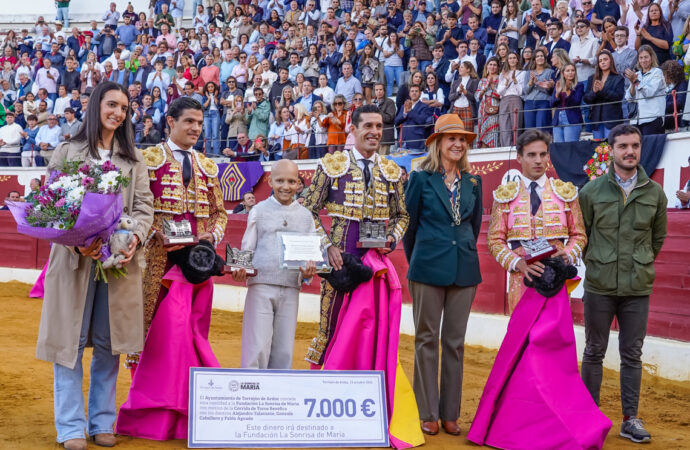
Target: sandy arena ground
26 384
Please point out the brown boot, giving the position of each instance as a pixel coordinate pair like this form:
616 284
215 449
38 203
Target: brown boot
75 444
430 428
451 427
105 440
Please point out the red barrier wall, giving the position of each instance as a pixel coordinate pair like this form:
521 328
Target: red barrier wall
669 314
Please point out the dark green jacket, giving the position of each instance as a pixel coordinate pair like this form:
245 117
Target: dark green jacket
439 252
624 236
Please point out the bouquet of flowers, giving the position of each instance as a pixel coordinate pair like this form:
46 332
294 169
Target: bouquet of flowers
599 163
77 205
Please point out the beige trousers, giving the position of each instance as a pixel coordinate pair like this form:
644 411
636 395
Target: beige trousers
268 327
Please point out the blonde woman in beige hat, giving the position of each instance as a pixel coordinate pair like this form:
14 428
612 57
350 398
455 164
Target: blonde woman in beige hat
445 205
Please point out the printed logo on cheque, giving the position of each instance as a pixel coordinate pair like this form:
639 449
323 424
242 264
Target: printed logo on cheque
235 386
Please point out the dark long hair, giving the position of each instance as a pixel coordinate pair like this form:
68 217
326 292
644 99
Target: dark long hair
90 130
662 20
612 65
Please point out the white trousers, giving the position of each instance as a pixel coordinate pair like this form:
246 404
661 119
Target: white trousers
268 327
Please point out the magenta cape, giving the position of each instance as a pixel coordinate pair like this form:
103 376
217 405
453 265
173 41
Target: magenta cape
534 397
366 338
37 290
156 407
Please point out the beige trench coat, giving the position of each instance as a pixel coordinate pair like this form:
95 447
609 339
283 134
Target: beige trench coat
67 277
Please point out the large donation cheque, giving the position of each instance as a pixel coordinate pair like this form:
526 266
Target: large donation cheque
286 408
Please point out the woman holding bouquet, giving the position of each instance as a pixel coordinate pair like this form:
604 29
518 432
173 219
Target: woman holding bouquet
78 310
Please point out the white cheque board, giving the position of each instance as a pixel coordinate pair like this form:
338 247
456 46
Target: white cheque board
286 408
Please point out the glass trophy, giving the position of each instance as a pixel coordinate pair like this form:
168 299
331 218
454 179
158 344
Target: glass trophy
537 249
299 248
178 233
236 259
372 234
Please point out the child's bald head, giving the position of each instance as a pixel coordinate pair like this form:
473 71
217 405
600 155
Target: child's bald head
284 180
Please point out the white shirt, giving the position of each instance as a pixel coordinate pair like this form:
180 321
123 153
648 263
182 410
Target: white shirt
60 104
462 101
586 49
326 93
11 134
176 151
541 182
513 88
360 158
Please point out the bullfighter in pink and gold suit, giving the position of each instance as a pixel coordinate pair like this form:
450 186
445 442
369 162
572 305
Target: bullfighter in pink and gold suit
558 219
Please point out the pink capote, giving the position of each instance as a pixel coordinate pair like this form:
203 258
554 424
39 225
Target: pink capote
37 290
158 400
366 338
534 397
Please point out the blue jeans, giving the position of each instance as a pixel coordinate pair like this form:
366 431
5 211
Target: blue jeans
563 133
70 420
392 74
211 130
600 131
538 119
586 109
423 65
487 49
63 14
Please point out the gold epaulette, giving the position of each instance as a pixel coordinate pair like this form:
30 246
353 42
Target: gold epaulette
565 190
207 165
506 193
154 157
390 170
335 164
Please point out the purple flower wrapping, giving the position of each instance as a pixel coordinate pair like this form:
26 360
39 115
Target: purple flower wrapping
98 218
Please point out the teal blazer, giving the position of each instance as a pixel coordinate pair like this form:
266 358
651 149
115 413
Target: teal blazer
439 252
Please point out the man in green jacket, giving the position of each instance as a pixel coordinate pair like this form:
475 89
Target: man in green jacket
625 218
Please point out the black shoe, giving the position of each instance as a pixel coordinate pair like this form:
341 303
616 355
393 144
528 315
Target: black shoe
633 429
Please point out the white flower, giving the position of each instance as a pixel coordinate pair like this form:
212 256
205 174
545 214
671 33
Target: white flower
108 182
76 194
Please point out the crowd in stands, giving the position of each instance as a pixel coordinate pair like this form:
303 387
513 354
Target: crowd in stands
280 78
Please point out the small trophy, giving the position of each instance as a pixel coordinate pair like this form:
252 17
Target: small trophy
178 233
236 259
373 235
537 249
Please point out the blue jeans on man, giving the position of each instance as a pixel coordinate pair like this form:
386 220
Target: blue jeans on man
70 419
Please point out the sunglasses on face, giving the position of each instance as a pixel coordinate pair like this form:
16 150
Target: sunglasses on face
337 103
581 26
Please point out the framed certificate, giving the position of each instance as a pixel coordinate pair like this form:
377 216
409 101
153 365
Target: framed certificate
296 249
